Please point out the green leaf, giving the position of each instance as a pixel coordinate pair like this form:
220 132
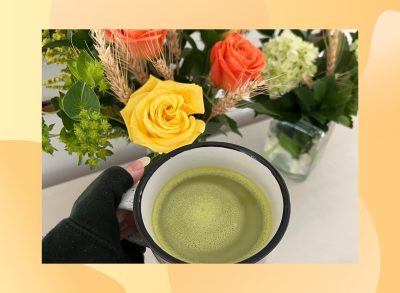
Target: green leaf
103 85
322 126
285 108
334 99
72 66
300 33
80 96
259 109
104 153
267 33
319 117
59 43
83 67
88 70
67 122
96 71
186 36
289 144
212 127
185 52
332 113
46 138
352 106
345 120
193 64
320 87
346 59
230 123
56 103
264 40
82 39
305 98
210 37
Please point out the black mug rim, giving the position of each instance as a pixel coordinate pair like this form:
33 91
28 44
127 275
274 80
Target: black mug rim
143 181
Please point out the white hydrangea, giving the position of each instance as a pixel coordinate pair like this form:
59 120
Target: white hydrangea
288 58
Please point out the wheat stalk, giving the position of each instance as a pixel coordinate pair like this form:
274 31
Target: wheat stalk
174 43
159 63
242 31
115 73
134 65
332 51
248 89
162 68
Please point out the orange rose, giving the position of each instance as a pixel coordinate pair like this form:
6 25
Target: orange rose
144 44
234 61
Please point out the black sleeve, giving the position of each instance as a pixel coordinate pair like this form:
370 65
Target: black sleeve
91 233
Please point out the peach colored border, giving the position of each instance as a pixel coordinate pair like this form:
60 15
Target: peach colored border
379 26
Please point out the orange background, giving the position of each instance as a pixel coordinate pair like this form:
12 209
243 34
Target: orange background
20 153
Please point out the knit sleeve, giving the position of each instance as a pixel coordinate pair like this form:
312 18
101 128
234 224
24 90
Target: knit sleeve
91 233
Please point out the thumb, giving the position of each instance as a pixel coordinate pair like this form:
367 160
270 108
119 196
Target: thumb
136 168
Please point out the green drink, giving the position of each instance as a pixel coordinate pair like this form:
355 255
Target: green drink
211 215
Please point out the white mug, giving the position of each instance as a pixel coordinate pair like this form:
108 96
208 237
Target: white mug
217 154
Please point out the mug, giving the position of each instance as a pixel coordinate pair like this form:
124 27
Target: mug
216 154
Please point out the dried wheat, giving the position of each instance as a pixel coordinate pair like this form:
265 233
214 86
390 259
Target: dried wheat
115 73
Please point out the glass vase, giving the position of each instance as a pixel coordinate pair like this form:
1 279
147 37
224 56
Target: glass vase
294 148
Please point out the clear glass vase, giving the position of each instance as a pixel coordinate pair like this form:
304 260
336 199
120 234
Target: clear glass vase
294 148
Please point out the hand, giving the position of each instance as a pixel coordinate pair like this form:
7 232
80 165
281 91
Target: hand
125 218
93 231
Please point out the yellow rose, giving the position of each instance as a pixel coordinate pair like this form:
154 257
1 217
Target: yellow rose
159 114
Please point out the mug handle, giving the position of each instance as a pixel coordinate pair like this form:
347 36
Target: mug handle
127 204
127 199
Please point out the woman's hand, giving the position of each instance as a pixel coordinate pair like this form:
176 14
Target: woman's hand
125 218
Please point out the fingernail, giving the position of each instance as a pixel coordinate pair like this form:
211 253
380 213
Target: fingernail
145 161
136 168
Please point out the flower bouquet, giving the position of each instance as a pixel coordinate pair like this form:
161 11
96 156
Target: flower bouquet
313 84
163 89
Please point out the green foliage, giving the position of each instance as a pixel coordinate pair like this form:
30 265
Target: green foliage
212 127
210 37
230 123
62 82
267 33
81 39
326 101
217 123
194 65
53 47
294 141
330 98
89 70
284 108
88 138
66 39
79 97
91 114
67 122
54 52
46 138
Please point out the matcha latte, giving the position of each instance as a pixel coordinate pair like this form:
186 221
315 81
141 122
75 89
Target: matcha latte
211 215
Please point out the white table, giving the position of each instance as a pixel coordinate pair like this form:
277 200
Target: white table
323 226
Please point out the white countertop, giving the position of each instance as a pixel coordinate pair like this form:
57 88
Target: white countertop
323 226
